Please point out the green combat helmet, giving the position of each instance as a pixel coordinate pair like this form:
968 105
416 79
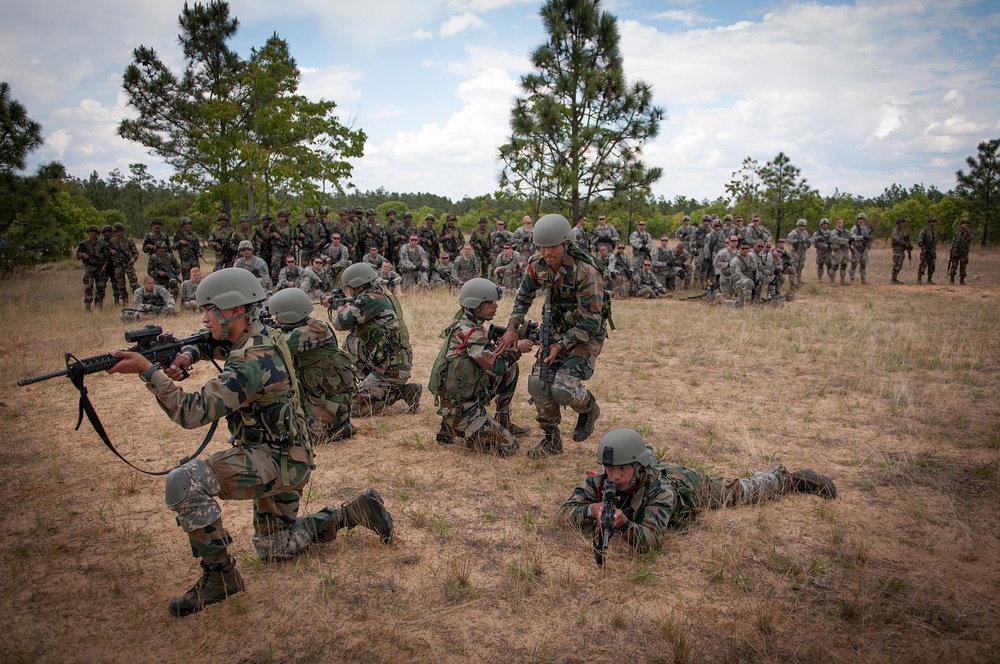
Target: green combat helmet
290 306
227 288
477 291
222 217
309 212
119 226
621 447
106 228
359 275
551 230
93 229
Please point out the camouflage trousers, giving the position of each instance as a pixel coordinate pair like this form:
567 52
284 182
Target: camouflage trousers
413 278
824 263
271 478
841 257
118 283
898 255
859 260
928 260
666 279
565 386
743 288
327 414
726 286
699 491
95 282
798 268
277 262
469 417
958 264
647 292
379 388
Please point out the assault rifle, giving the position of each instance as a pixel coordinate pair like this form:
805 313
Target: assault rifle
909 248
338 298
605 528
529 331
545 338
707 293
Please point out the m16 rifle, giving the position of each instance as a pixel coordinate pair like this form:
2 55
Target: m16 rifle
529 330
605 527
909 248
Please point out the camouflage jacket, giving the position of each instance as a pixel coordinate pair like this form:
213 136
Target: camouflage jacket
312 236
123 253
376 318
188 291
723 261
641 278
927 240
372 235
412 260
322 369
799 240
166 267
469 346
841 238
403 233
686 235
498 238
862 237
283 237
962 242
901 240
754 233
390 279
152 239
320 280
291 276
523 240
221 240
256 266
348 235
429 241
743 267
821 240
580 237
375 261
642 244
465 268
607 234
262 239
451 239
481 244
97 253
339 257
191 247
143 300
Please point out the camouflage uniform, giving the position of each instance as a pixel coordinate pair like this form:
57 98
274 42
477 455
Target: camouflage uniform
699 253
464 268
256 266
821 239
685 234
221 239
498 238
123 256
96 252
338 257
262 238
507 271
607 235
153 239
389 280
620 273
403 233
662 259
442 275
668 495
451 239
927 241
798 242
482 248
958 258
712 243
840 240
646 285
160 301
312 237
188 251
723 267
244 231
765 274
429 241
372 235
642 246
580 237
579 316
291 276
188 299
743 271
523 242
414 265
282 244
375 261
756 232
468 388
316 282
165 270
379 343
348 235
900 245
859 251
326 376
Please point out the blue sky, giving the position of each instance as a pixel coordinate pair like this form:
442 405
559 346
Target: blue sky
859 95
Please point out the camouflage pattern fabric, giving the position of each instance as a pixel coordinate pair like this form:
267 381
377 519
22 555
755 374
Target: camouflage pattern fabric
153 240
290 276
95 279
165 271
523 242
429 241
927 241
187 296
900 244
642 246
824 253
451 238
464 268
798 242
646 285
221 240
414 265
482 248
580 237
859 251
506 271
961 243
606 235
256 266
722 261
743 272
160 301
188 251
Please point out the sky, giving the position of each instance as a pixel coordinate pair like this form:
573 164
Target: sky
859 95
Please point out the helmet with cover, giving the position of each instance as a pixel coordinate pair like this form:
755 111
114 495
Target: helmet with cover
290 305
551 230
621 447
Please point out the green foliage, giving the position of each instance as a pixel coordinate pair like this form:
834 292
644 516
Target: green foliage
980 189
786 195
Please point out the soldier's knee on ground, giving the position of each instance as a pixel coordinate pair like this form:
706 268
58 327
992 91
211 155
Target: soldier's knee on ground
190 491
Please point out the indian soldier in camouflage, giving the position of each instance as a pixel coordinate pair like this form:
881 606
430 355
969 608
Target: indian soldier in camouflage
93 253
290 276
650 497
579 235
500 236
441 275
821 239
480 241
154 237
325 373
188 246
149 300
841 240
900 246
262 237
645 284
958 258
317 281
723 262
255 265
685 233
348 233
244 232
337 257
451 238
124 254
271 457
109 266
379 343
392 237
429 240
283 244
523 239
372 236
466 266
388 279
507 269
189 290
312 236
413 263
859 248
604 233
642 245
755 231
927 241
221 240
474 374
579 316
164 269
712 243
799 241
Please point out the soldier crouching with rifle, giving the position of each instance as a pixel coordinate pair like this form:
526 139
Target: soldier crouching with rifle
271 458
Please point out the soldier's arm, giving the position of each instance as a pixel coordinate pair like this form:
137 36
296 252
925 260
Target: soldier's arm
481 350
648 534
589 307
576 510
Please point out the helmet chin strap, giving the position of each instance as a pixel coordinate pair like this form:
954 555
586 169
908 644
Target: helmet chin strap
224 322
636 469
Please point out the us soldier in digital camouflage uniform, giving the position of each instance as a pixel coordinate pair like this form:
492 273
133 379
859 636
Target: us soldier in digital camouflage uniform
324 372
149 300
840 240
755 231
291 275
403 233
475 374
728 226
413 263
723 266
93 253
698 251
927 241
466 266
645 284
579 234
189 290
255 265
123 256
188 246
317 280
374 258
429 239
682 268
685 233
824 250
523 239
109 265
379 343
958 258
662 260
507 269
620 268
642 245
798 241
164 269
743 271
900 245
480 241
337 256
221 240
388 279
500 236
859 248
579 317
604 233
271 459
650 496
154 237
441 275
348 232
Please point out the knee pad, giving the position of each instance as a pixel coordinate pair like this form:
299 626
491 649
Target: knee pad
561 395
536 388
189 492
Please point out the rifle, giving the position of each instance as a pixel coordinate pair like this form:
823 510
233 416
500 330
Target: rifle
708 293
338 298
909 248
545 338
529 331
155 346
605 528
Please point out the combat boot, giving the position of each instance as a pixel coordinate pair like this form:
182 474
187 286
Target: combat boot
218 581
551 444
503 419
930 281
809 481
952 278
920 279
961 281
445 435
895 282
411 395
367 510
87 305
842 281
345 430
585 421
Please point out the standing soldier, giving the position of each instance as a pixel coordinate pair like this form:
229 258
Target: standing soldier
391 227
372 235
312 237
109 266
927 241
155 237
958 258
404 231
723 266
255 265
799 241
523 239
165 269
188 247
712 243
282 244
840 240
125 255
93 253
324 221
413 263
859 248
348 232
579 234
337 255
451 238
500 237
579 316
480 241
604 233
698 251
469 373
642 245
900 247
755 231
244 232
685 233
262 237
507 269
429 239
824 250
221 240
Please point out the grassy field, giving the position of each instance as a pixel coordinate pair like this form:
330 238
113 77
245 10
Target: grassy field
892 391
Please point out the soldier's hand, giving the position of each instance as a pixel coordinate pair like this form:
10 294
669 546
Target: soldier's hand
178 368
131 362
508 339
84 256
524 345
553 353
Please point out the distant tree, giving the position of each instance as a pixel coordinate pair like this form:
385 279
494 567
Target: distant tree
980 187
579 129
785 190
745 189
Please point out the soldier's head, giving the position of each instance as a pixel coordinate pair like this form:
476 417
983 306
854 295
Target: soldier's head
744 247
501 225
230 298
186 222
551 237
862 218
767 245
664 239
527 221
739 220
900 221
92 232
778 251
246 248
324 212
390 214
801 223
625 456
717 225
964 223
839 223
445 258
335 239
451 219
581 221
373 250
479 297
482 223
932 221
602 220
148 284
161 249
290 307
824 223
467 250
359 277
223 219
620 248
407 217
289 261
282 215
706 220
244 221
678 249
429 220
386 267
265 219
119 230
646 265
413 240
342 212
370 213
195 275
728 217
686 219
758 246
755 220
317 263
156 225
507 249
106 231
309 213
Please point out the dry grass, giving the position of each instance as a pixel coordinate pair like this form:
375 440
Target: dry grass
892 391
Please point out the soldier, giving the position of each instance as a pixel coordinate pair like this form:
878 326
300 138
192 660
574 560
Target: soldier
451 238
164 269
271 458
859 248
262 237
283 238
685 233
841 240
523 239
324 221
123 257
739 230
799 241
927 241
348 232
189 289
469 373
466 266
244 232
765 270
312 236
682 268
900 247
480 241
650 497
579 234
755 231
604 233
743 272
413 263
221 239
507 269
290 276
698 252
107 243
442 273
824 250
500 237
958 258
93 252
317 280
645 284
728 227
337 256
605 264
379 343
149 300
621 271
712 244
392 237
373 257
255 265
404 231
388 279
188 247
429 239
579 313
325 373
642 245
154 237
372 235
780 267
723 262
662 261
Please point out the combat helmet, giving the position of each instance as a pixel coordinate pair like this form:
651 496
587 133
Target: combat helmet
92 228
621 447
862 215
119 226
801 222
476 291
824 220
229 287
106 228
551 230
359 275
290 306
309 212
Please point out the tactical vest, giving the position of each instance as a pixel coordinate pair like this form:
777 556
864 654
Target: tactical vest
387 345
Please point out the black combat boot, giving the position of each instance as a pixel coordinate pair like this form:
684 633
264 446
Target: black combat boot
551 444
411 395
585 421
503 419
345 430
445 435
952 278
809 481
920 279
218 581
368 510
930 281
961 281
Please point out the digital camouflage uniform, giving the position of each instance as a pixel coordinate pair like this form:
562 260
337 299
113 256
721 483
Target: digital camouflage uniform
374 260
464 268
859 251
662 259
522 241
620 272
389 280
498 238
188 251
927 241
685 234
723 262
642 246
841 240
95 280
755 232
291 276
606 235
188 297
506 271
711 245
316 282
414 265
765 274
442 275
900 245
798 242
468 388
646 285
580 237
256 266
821 239
160 301
743 271
338 257
959 255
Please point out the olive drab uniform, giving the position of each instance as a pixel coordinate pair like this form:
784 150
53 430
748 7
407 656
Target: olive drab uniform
958 259
165 270
429 241
482 248
188 251
153 240
927 241
900 245
467 388
94 255
270 460
283 242
124 254
451 239
221 240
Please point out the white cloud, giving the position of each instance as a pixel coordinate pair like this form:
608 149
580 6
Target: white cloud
332 83
460 23
421 35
